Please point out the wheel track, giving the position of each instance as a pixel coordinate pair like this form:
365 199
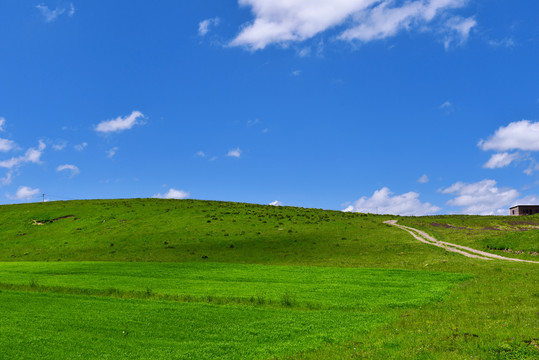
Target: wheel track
460 249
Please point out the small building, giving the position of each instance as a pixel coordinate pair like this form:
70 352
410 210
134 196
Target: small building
519 210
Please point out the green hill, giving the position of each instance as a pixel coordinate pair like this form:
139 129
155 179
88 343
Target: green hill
188 230
151 278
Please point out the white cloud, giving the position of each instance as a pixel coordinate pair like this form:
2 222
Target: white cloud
172 194
501 160
205 25
506 42
458 30
60 146
234 153
72 168
31 155
527 200
285 21
24 193
51 15
446 105
519 135
522 136
253 122
8 178
296 72
7 145
481 198
306 51
202 154
423 179
81 146
2 123
276 203
534 166
382 202
112 152
120 124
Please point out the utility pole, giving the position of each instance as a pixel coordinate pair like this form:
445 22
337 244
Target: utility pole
43 197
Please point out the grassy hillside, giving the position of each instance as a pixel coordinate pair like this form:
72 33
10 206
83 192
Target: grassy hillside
218 260
190 230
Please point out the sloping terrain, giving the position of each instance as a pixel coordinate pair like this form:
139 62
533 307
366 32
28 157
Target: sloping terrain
242 273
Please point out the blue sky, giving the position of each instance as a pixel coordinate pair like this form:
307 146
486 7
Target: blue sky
410 107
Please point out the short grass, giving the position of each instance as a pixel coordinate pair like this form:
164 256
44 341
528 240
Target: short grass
291 286
59 326
493 315
189 230
286 309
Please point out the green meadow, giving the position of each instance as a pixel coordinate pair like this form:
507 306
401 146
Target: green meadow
188 279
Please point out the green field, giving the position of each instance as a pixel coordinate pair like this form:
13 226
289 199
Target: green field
262 311
148 278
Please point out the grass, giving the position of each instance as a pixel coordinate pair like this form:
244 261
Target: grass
168 309
492 315
181 231
303 287
60 326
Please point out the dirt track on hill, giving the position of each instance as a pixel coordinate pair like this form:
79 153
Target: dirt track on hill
463 250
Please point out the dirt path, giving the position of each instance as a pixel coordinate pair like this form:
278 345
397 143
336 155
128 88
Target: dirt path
463 250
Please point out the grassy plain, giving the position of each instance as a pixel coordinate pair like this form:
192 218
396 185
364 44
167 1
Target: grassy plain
59 326
324 259
297 286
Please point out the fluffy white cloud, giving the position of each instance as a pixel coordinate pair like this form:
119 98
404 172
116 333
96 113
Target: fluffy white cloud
32 155
481 198
2 123
6 145
276 203
120 123
519 135
24 193
423 179
284 21
501 160
172 194
51 15
527 200
234 153
205 25
72 168
383 202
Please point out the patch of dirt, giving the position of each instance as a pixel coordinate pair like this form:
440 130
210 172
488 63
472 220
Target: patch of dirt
43 222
